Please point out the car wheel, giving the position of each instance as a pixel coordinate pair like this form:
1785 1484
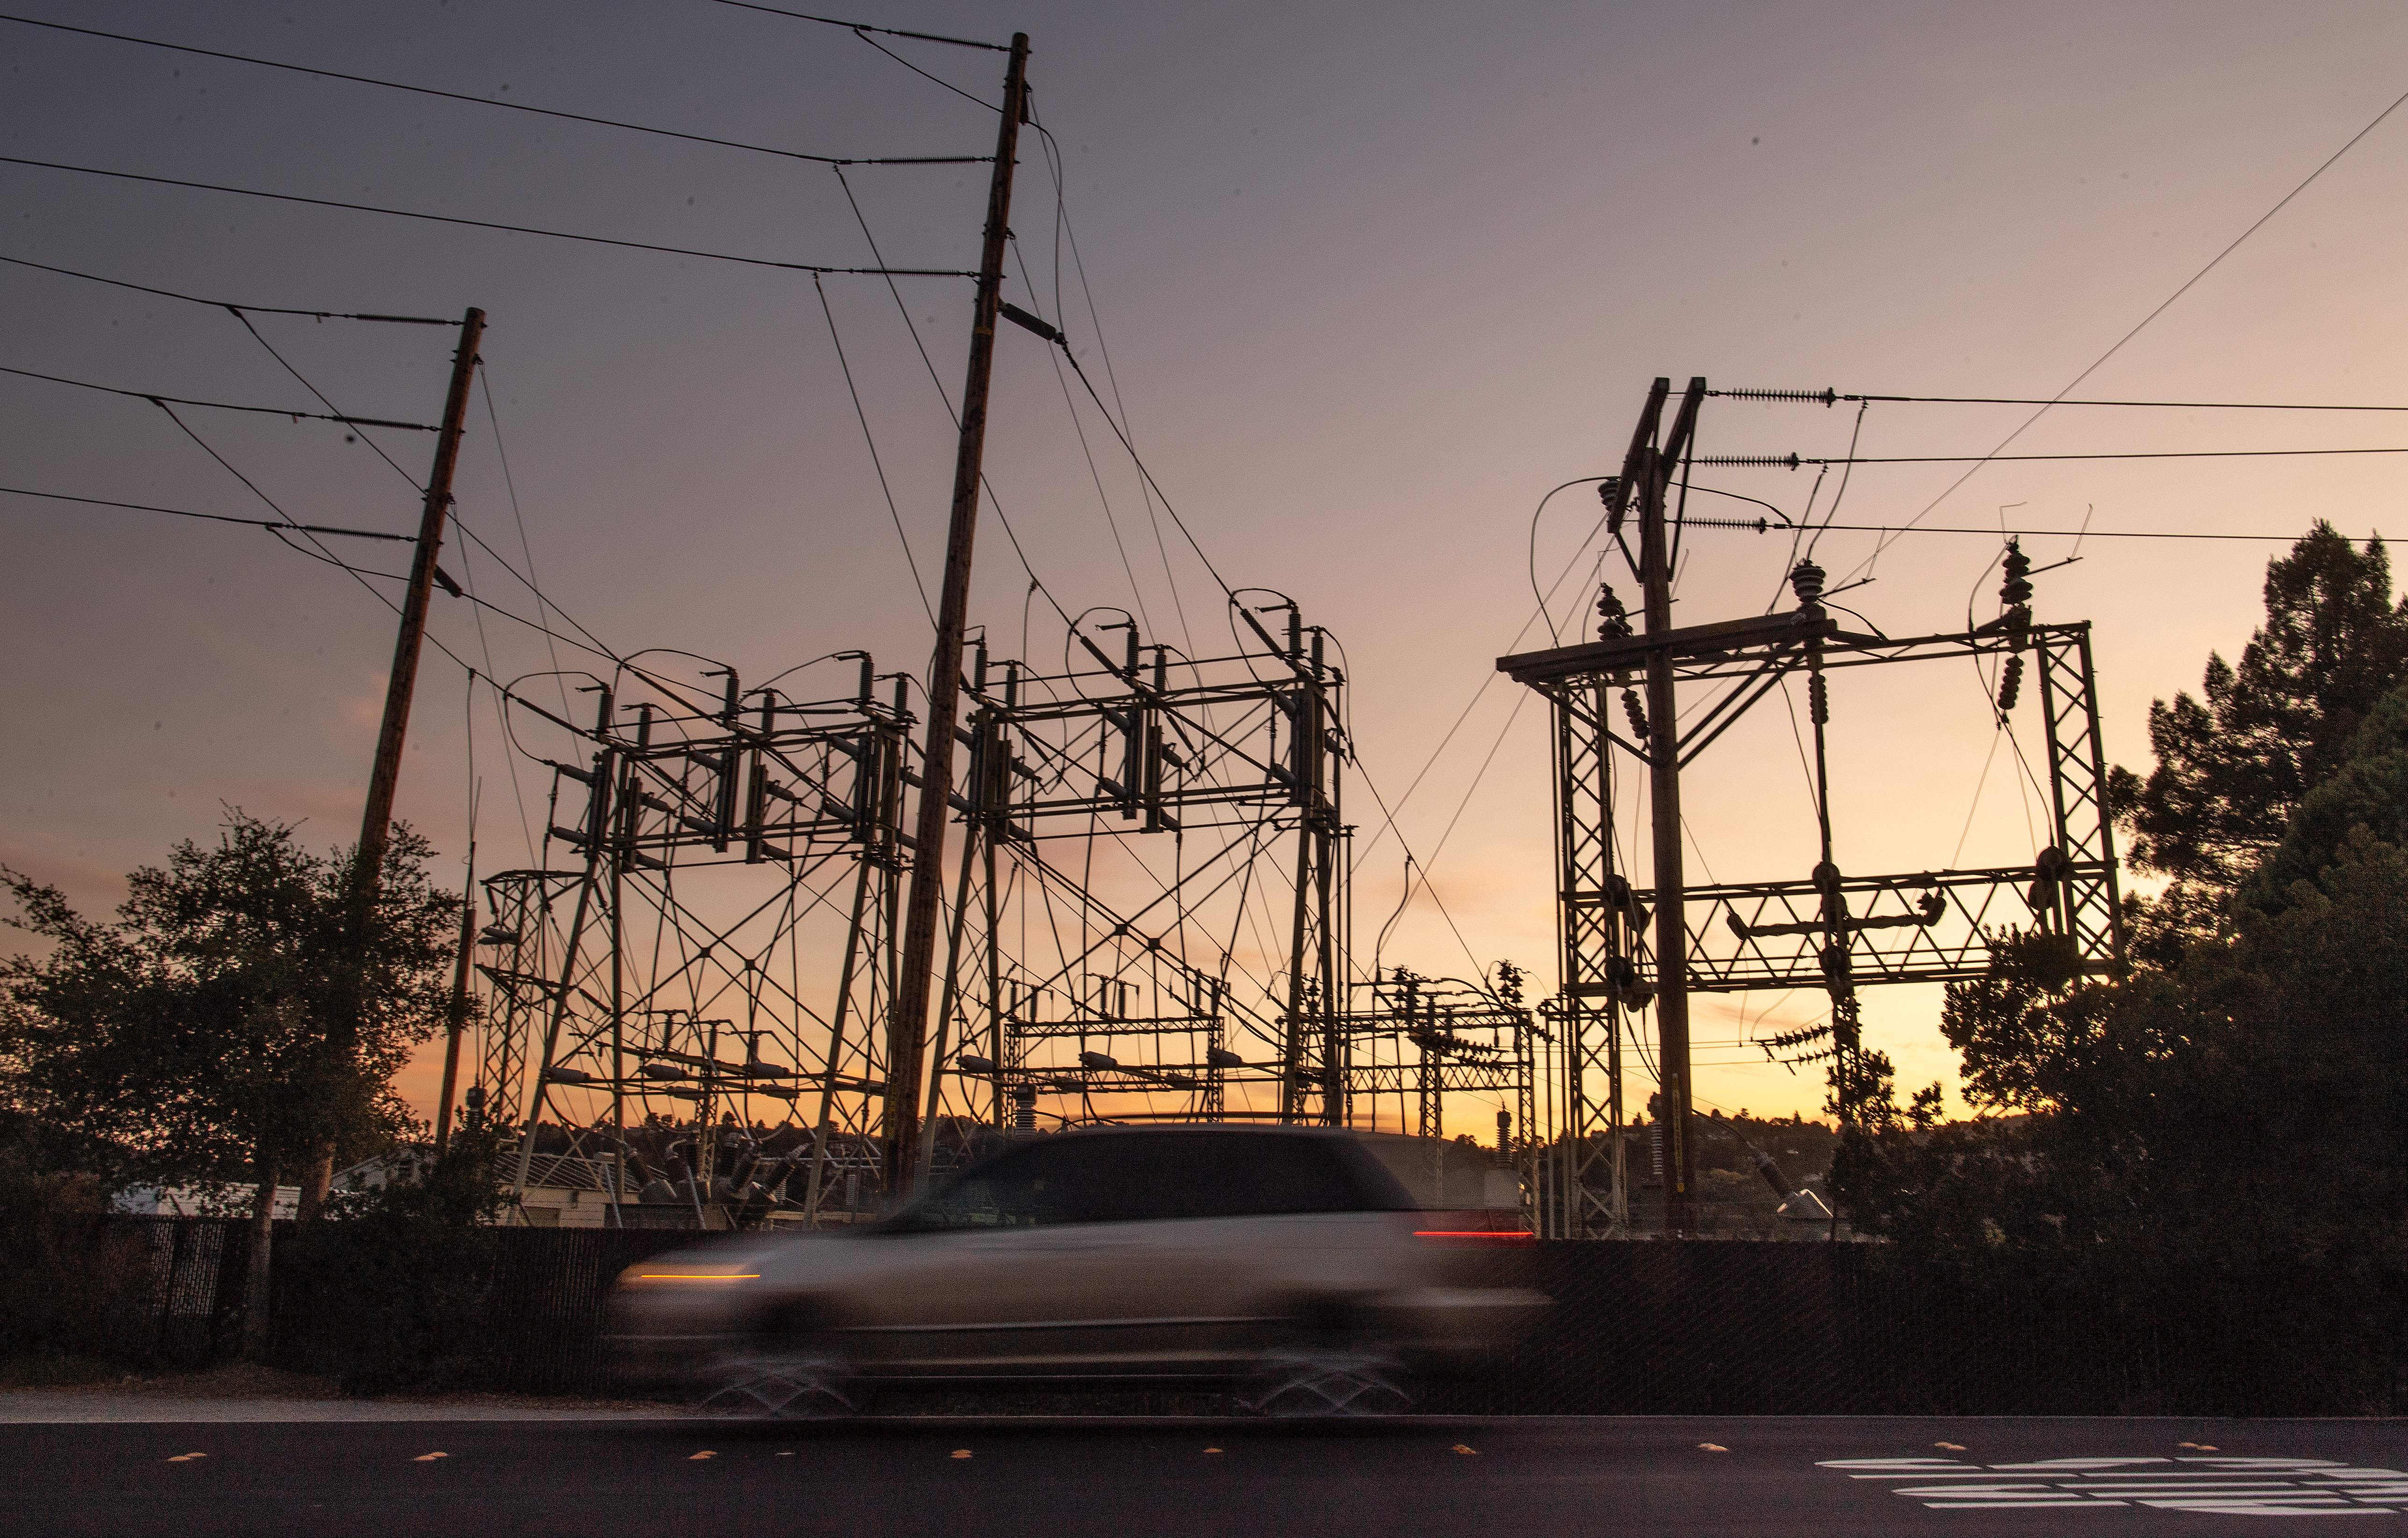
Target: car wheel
1328 1383
781 1385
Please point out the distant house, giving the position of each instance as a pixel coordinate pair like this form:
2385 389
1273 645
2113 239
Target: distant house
233 1200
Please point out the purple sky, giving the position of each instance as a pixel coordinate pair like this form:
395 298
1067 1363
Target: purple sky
1372 278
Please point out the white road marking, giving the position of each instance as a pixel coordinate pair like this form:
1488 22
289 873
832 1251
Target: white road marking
2217 1486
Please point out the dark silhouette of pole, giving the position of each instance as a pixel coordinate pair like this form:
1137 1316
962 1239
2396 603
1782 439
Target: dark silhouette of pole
1664 793
458 1019
376 822
907 1025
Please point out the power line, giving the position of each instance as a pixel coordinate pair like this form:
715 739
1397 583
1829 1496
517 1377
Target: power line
945 398
1761 526
1828 398
212 517
893 513
544 605
509 483
1135 458
1136 593
287 520
1069 235
218 405
508 107
597 647
323 399
934 80
221 304
864 26
489 224
1791 461
2167 303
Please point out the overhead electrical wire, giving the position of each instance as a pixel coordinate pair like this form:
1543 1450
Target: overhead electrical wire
2142 325
545 605
877 464
1136 593
488 224
526 549
2054 533
1542 612
1791 461
864 26
286 519
945 396
223 303
1069 237
966 96
1139 460
220 405
1827 397
507 107
212 517
242 314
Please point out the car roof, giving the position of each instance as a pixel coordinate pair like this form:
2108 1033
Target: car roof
1218 1128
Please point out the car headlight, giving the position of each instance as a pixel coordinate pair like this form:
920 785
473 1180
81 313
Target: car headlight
654 1274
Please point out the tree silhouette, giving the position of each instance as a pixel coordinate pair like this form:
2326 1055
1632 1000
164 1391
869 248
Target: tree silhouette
190 1030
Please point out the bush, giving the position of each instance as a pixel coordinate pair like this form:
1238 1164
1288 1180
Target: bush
391 1295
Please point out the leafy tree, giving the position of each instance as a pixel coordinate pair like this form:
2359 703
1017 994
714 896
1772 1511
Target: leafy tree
189 1030
2233 766
2240 1093
409 1273
2245 1102
2014 1040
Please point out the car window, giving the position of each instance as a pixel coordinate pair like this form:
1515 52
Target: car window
1149 1176
1270 1175
1042 1183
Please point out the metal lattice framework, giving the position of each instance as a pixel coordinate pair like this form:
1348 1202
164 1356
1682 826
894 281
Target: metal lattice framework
730 860
1136 831
1148 921
1826 931
1464 1039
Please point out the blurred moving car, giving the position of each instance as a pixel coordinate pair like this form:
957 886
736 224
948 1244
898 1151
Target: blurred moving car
1286 1259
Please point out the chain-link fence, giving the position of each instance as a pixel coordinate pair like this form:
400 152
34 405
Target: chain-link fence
1700 1327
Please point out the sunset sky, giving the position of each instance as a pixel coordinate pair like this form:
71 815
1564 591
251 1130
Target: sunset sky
1372 278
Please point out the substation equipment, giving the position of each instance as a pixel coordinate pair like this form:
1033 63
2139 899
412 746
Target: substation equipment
671 967
1147 920
1627 951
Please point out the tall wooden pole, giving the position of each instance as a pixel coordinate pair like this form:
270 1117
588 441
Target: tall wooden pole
907 1022
376 822
458 1020
1664 789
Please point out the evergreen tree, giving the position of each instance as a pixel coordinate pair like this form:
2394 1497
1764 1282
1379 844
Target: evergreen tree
2233 766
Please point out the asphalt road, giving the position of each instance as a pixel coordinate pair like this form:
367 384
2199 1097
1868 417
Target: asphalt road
1130 1479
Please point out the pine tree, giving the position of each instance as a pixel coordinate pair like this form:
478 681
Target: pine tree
2233 766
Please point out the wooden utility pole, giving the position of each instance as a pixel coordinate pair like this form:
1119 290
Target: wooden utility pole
458 1019
376 823
1656 465
907 1026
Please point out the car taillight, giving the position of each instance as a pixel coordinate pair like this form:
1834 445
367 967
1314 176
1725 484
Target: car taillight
1470 1231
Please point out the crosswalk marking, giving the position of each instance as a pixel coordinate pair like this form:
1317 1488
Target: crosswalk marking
2220 1486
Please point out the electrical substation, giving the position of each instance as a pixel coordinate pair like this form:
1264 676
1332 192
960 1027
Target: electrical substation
720 929
1631 955
786 947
